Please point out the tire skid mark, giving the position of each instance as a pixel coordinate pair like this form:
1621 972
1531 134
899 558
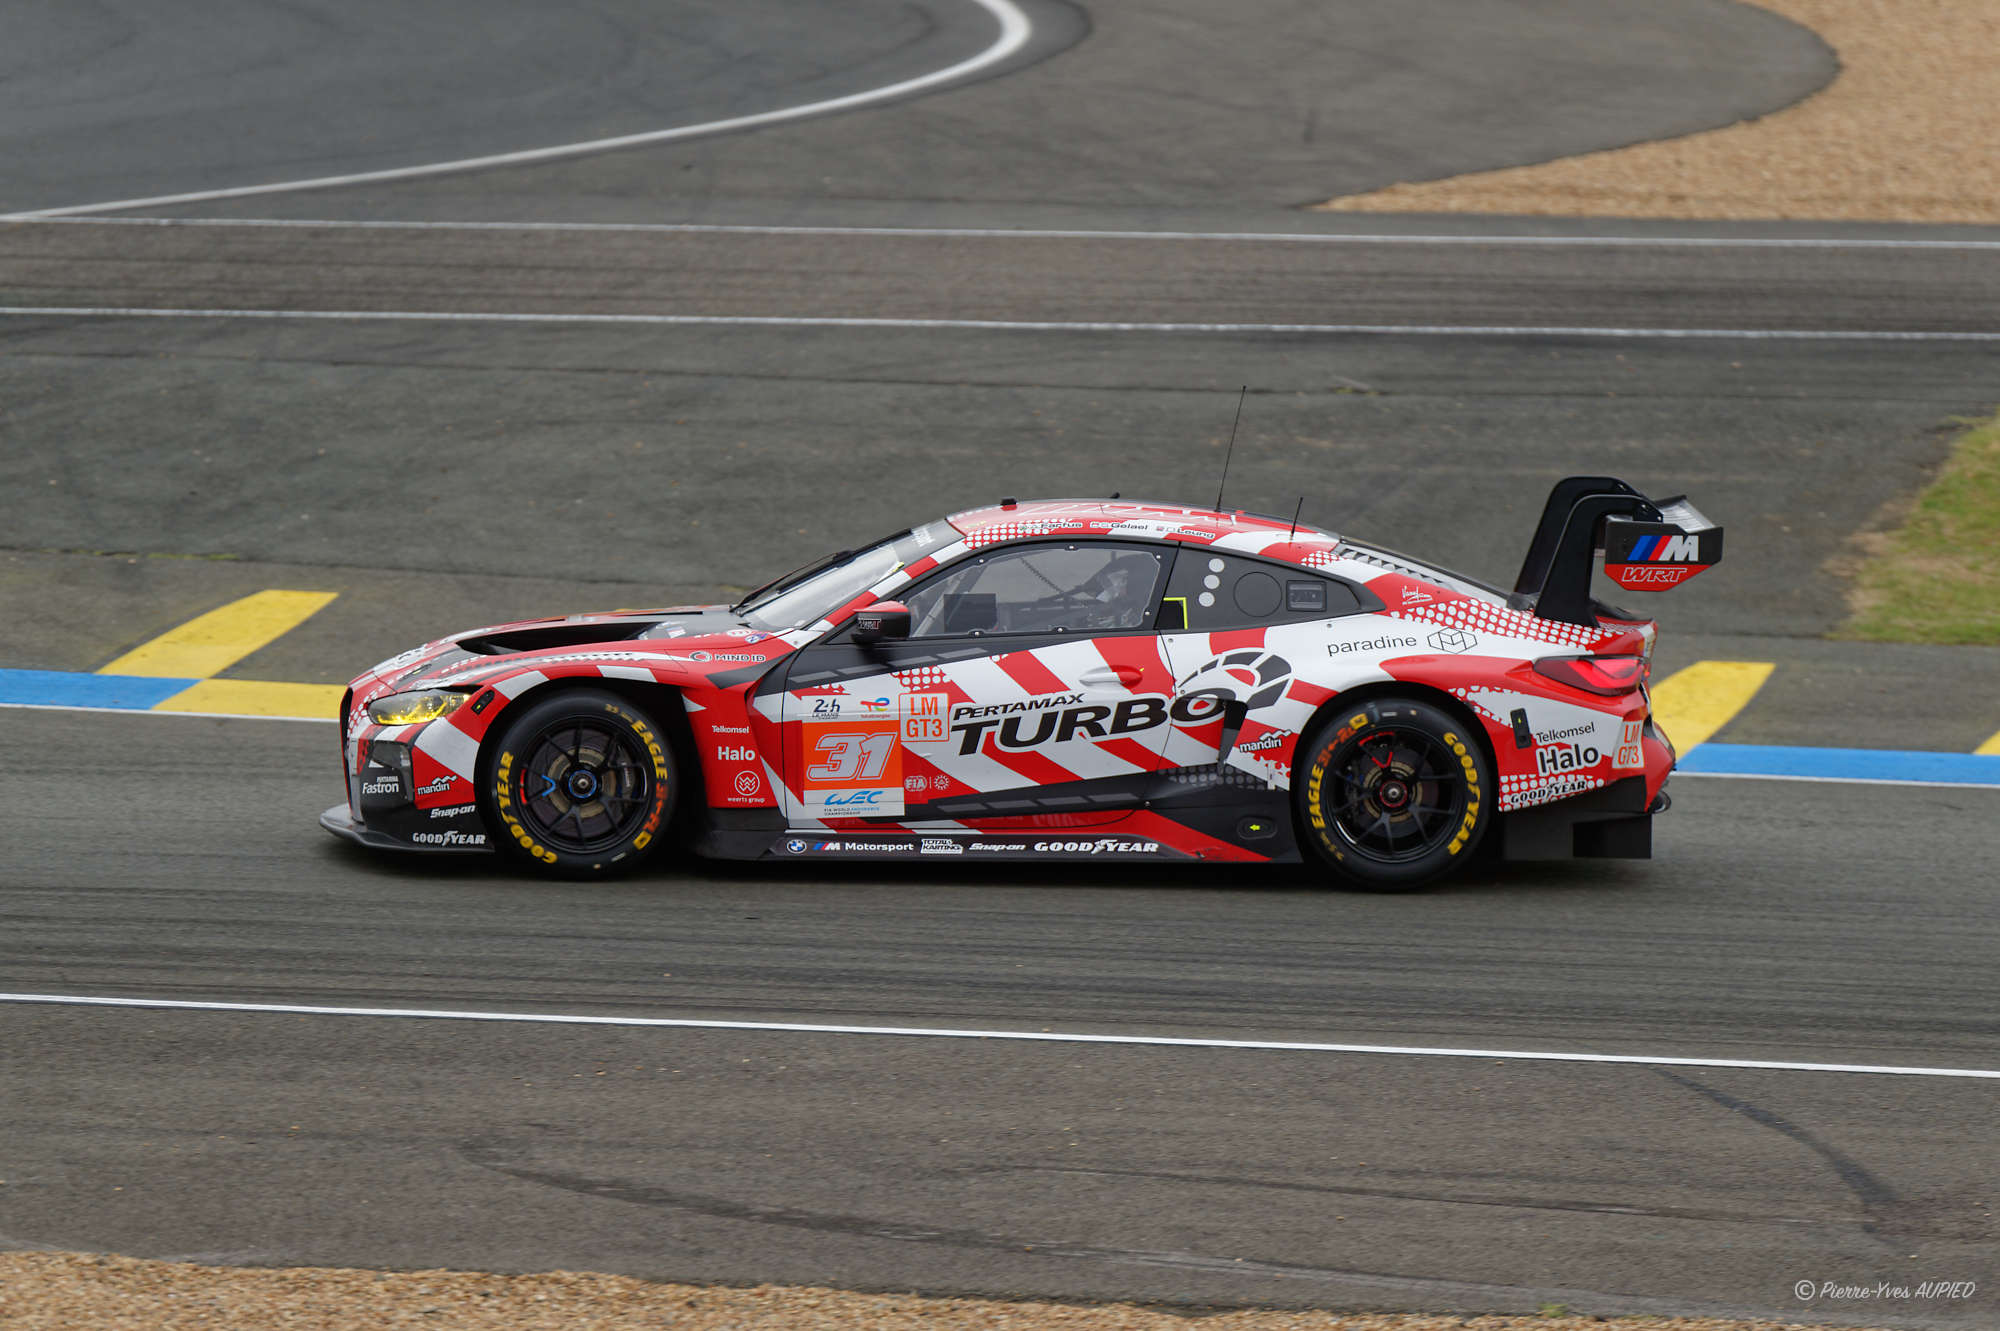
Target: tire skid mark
1875 1196
1442 1198
485 1154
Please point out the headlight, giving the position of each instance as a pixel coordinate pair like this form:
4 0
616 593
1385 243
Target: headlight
408 709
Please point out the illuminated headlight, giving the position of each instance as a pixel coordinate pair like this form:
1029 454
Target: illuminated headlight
408 709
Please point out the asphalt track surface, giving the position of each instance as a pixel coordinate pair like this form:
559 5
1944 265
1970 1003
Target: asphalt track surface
442 472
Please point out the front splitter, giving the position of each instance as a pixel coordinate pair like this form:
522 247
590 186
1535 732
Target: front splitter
340 821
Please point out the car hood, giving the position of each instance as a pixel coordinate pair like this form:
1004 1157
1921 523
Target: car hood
691 633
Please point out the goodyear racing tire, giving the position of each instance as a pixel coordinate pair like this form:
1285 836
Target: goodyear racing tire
581 785
1392 793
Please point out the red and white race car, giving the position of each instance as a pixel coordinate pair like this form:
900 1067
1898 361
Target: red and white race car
1058 680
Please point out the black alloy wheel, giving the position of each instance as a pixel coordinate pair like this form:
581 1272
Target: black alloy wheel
1392 793
581 784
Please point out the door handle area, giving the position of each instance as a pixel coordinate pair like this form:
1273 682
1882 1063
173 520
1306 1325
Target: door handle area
1127 675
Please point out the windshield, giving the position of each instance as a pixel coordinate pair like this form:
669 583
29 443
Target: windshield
800 598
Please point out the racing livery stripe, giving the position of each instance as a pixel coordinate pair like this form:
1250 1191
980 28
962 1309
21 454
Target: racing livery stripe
1142 651
1231 639
455 751
1132 751
1038 770
1156 827
515 685
1027 670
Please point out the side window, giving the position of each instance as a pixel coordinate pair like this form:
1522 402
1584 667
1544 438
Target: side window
1218 591
1053 588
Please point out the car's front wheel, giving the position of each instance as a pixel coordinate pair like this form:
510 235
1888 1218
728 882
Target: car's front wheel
1392 793
580 784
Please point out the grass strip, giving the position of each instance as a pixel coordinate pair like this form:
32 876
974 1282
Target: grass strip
1936 578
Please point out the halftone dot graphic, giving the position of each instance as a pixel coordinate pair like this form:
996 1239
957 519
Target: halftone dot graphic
1485 617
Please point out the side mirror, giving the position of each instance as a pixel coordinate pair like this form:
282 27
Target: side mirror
880 622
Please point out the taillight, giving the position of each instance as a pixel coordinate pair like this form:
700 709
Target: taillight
1606 675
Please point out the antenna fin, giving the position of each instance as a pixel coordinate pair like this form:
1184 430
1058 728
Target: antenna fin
1232 447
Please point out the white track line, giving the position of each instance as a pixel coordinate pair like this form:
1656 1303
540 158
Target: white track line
1045 1037
1835 780
1014 32
1040 233
1002 325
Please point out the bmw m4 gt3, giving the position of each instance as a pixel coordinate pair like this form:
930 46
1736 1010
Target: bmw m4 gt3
1059 680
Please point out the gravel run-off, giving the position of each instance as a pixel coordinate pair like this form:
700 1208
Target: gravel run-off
47 1291
1909 131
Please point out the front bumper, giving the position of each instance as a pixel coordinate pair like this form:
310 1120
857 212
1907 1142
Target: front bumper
340 821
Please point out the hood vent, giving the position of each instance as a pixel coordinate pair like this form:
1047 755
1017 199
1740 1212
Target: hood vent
541 637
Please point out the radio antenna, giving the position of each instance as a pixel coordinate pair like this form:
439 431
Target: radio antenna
1295 518
1232 447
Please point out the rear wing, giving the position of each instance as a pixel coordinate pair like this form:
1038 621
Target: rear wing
1647 544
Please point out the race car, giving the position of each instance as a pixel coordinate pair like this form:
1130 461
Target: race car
1059 680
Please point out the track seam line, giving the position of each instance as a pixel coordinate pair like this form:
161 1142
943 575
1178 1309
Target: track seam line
1002 325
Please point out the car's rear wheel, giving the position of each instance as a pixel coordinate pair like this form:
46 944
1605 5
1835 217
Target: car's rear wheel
581 784
1392 793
